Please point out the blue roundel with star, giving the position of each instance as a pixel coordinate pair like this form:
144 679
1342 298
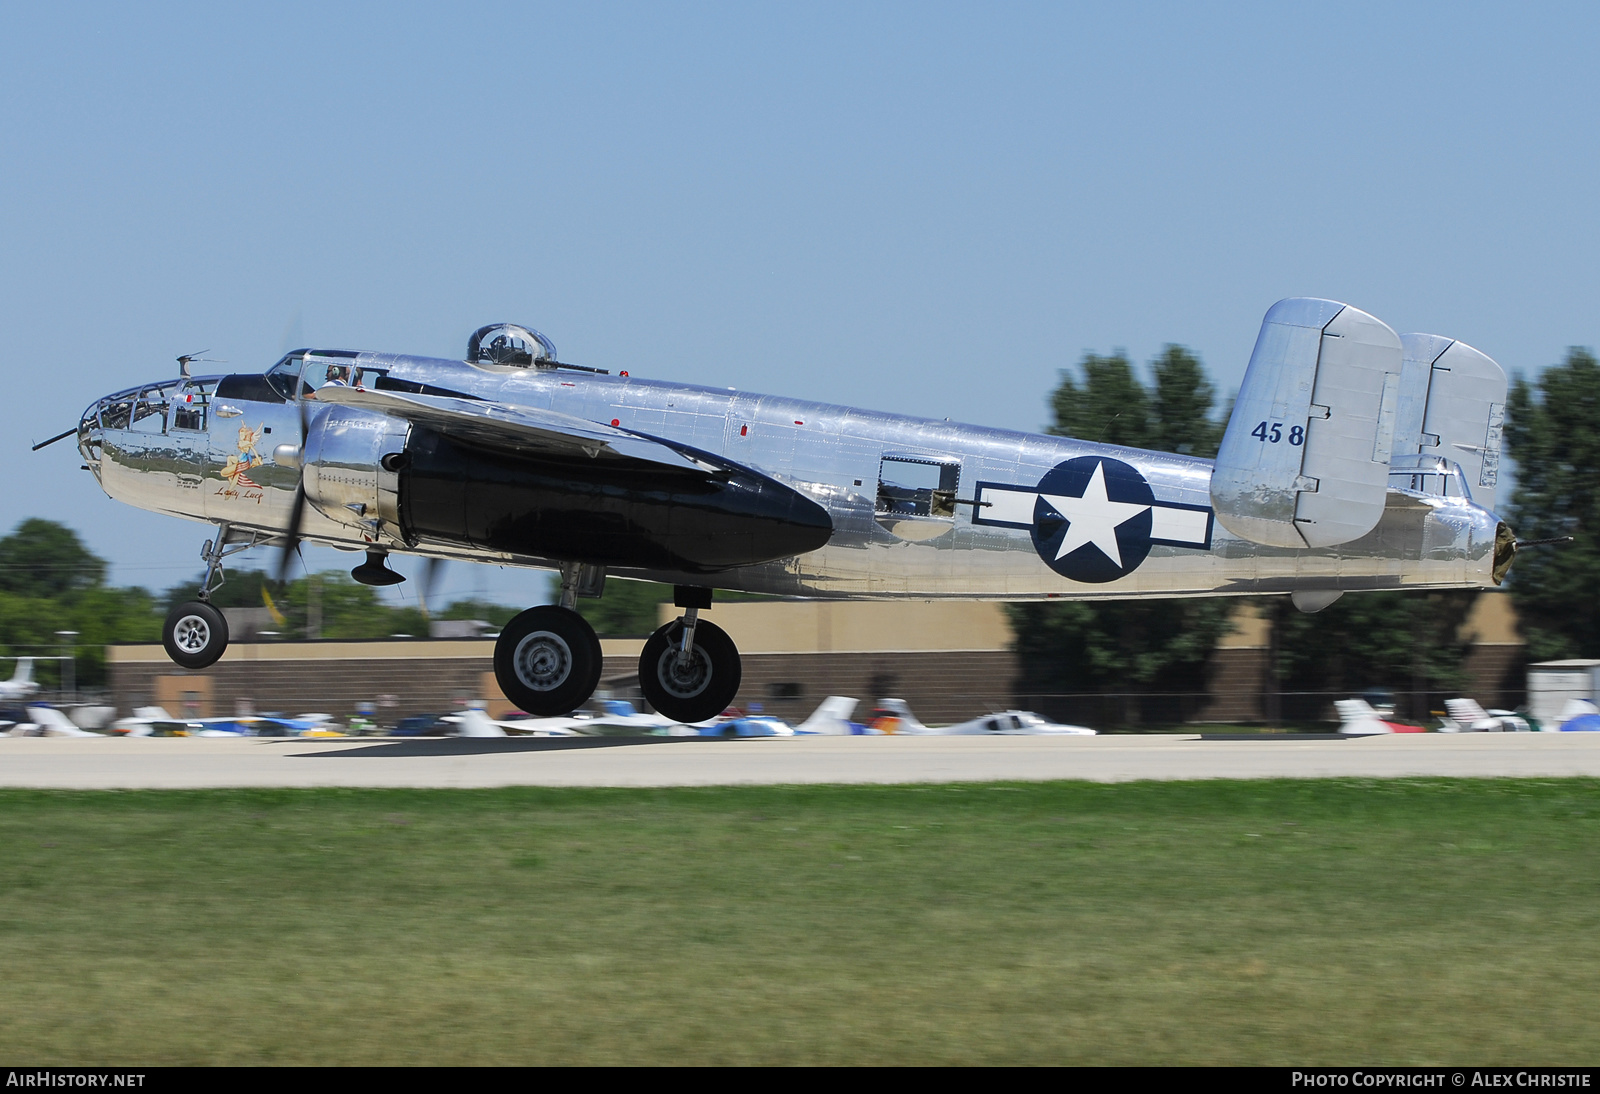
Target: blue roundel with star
1093 519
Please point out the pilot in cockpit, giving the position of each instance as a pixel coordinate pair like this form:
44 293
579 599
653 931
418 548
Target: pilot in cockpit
338 376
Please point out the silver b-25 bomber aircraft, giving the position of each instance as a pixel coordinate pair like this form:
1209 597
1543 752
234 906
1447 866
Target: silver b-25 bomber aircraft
1355 459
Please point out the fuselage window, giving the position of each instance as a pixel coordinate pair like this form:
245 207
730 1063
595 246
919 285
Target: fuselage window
311 372
322 371
150 411
189 408
284 375
250 387
917 488
116 413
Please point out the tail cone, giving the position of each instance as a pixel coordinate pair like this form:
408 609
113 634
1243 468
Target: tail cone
1505 552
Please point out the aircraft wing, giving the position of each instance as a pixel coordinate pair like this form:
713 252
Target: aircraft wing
519 428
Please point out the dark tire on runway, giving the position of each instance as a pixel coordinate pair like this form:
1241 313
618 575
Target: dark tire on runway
547 660
195 634
699 690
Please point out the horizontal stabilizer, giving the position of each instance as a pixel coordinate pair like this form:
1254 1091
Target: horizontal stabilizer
1452 404
518 428
1305 459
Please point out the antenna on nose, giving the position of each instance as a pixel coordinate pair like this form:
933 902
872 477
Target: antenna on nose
187 358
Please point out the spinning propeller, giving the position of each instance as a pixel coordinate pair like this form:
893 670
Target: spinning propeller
430 577
297 508
373 571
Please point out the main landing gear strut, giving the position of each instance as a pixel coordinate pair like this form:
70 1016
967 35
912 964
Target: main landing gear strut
547 660
689 669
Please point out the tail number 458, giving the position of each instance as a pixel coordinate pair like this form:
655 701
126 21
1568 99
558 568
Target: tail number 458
1272 434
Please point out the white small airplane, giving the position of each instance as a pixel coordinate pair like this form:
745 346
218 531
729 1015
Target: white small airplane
1467 716
474 722
1358 718
22 684
152 722
893 716
47 721
1011 723
830 719
618 718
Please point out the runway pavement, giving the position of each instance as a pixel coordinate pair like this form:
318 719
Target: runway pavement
123 763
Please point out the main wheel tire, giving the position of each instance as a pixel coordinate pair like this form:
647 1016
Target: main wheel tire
700 690
195 634
547 660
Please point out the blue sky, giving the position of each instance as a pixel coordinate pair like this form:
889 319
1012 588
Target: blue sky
924 208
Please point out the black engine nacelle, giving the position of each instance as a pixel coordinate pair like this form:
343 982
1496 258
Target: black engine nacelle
610 512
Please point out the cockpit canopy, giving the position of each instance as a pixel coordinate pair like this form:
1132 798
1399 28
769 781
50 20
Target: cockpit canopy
510 344
306 370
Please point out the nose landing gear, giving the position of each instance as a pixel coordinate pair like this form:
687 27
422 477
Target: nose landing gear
195 634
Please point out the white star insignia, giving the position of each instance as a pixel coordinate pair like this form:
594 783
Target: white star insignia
1094 518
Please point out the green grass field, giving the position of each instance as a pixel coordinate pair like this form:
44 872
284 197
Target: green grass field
1292 922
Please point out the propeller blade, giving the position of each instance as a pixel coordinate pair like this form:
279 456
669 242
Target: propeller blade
430 576
297 508
291 546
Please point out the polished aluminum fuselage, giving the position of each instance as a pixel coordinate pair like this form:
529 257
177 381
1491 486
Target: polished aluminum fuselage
833 455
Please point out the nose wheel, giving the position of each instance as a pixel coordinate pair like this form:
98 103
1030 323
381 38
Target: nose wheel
195 634
547 660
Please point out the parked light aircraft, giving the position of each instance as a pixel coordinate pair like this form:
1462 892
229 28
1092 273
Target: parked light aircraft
1359 718
1355 459
46 721
831 719
1468 716
22 684
1010 723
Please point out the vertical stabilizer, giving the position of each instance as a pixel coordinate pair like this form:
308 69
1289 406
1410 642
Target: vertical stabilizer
1305 459
1453 404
